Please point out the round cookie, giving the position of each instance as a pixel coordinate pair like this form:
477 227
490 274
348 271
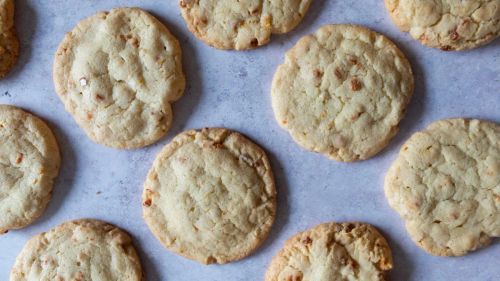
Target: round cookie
79 250
342 92
9 45
241 25
331 252
445 184
210 196
29 163
448 24
117 73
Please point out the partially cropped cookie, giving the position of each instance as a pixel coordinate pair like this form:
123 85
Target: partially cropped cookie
342 92
445 184
241 25
29 163
9 45
79 250
332 252
448 24
117 73
210 196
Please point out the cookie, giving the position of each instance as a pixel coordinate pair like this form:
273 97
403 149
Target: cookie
445 184
331 252
342 92
117 73
9 45
210 196
241 25
448 24
29 163
79 250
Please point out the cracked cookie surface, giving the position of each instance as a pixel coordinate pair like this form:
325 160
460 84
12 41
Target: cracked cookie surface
79 250
241 25
210 196
117 73
448 24
342 92
9 45
445 184
333 252
29 163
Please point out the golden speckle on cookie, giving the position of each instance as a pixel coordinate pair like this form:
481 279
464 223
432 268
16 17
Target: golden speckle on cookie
326 88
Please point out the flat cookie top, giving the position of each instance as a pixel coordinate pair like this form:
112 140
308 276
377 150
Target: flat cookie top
445 184
9 45
333 252
210 196
117 73
241 25
448 24
29 162
342 91
79 250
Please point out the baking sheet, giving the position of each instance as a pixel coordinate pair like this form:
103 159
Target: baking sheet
231 89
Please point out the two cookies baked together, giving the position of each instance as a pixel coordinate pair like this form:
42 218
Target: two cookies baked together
210 195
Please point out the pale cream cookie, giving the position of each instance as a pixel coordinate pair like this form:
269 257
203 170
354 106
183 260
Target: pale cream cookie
241 25
9 45
448 24
117 73
445 184
342 92
333 252
79 250
210 196
29 163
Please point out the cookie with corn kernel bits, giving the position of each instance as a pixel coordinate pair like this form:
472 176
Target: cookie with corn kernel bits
342 92
331 252
210 196
118 73
445 185
241 25
448 24
29 163
79 250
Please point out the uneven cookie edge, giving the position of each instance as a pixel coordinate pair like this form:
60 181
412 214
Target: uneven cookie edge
96 225
60 78
52 145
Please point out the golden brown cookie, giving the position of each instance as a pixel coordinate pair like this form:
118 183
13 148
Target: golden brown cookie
29 163
210 196
445 184
117 73
342 92
79 250
332 252
241 25
448 24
